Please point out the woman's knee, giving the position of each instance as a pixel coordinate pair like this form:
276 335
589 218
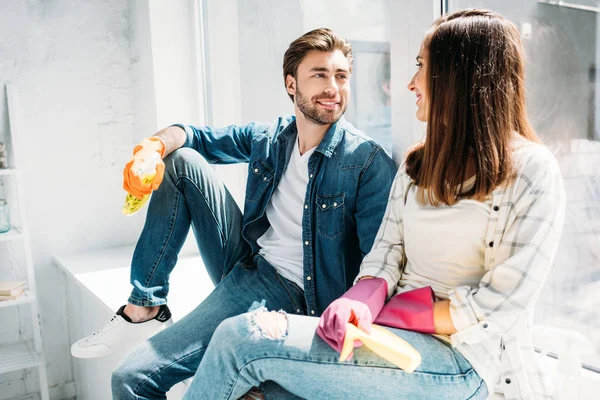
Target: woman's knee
245 334
229 331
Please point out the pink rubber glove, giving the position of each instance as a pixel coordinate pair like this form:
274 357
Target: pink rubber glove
358 306
412 310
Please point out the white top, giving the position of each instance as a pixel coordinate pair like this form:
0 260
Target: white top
493 317
281 244
445 244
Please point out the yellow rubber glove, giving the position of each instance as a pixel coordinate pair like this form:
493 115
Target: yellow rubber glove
133 179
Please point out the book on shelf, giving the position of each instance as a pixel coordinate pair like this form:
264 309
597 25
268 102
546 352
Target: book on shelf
14 296
11 288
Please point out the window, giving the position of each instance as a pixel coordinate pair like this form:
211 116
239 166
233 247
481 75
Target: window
245 42
561 42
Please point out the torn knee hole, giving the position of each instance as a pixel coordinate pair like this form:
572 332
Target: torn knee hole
271 325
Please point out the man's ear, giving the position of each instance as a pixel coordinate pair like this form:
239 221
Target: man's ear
290 85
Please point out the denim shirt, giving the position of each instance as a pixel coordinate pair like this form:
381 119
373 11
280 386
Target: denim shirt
350 177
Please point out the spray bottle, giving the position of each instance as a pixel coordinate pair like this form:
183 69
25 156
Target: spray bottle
146 170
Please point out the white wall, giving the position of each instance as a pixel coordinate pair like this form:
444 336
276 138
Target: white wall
93 79
71 62
174 62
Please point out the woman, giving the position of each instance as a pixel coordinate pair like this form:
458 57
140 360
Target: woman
474 218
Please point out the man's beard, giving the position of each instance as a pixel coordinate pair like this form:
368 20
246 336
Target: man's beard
310 111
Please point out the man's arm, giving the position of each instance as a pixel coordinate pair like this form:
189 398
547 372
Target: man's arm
229 145
173 137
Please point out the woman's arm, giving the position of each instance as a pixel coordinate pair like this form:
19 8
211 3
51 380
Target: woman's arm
441 318
536 210
386 258
441 315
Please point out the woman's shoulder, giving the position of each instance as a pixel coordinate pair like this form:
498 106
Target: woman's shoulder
532 159
402 177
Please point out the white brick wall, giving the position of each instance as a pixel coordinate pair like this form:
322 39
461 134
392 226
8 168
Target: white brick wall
71 63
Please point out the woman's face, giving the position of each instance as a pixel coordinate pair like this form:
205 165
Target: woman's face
418 85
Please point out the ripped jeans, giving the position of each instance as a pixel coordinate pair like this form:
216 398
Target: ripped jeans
254 350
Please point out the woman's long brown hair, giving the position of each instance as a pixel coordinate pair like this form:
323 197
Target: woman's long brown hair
475 86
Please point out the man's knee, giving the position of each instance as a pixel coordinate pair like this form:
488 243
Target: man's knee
188 163
182 158
120 382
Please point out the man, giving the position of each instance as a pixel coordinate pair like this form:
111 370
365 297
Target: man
316 192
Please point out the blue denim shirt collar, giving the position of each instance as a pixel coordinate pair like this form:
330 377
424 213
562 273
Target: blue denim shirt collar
332 138
329 142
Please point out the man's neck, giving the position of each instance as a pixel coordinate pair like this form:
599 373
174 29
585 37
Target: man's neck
310 133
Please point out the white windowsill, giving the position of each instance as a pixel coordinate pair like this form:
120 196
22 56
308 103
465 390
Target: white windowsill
105 274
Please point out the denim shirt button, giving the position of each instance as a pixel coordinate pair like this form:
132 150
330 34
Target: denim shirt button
324 205
308 278
310 176
335 204
298 311
306 243
306 206
256 170
312 312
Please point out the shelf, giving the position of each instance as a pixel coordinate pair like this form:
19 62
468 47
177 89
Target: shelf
17 356
26 298
13 234
30 396
7 171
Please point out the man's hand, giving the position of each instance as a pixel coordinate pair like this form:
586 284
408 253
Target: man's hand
133 179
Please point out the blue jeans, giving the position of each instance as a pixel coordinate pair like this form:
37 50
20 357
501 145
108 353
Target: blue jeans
239 357
191 194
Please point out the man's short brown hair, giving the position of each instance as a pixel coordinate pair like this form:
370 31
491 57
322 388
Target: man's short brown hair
322 39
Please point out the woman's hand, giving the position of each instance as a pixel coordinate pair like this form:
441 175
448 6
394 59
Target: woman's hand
334 321
358 306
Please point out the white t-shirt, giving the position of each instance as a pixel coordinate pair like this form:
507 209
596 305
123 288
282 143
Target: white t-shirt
281 244
445 245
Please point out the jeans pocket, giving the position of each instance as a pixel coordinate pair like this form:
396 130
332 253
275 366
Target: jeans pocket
330 215
285 285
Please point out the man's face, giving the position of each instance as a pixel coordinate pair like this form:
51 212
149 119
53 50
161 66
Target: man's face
321 86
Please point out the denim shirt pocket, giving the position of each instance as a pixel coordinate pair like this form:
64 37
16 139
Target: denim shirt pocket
260 176
330 215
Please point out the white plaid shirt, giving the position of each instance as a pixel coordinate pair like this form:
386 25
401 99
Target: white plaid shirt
522 236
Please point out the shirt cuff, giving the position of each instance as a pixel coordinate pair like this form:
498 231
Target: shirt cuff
470 330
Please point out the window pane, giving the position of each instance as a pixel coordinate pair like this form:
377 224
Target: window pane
563 98
247 41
